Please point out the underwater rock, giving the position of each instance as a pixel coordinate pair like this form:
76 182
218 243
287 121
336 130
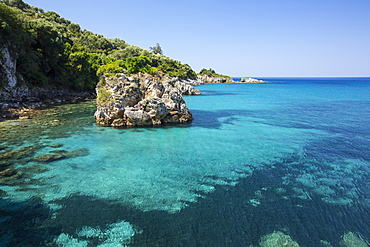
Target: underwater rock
77 153
351 239
11 178
34 169
61 154
59 151
140 100
8 173
46 158
20 153
277 239
2 193
324 243
57 145
4 163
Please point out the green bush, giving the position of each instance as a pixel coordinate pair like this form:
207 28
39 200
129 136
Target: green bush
211 72
103 97
109 70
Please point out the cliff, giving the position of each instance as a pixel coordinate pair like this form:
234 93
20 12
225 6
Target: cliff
141 100
8 69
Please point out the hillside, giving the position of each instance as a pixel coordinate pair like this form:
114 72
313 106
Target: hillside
42 49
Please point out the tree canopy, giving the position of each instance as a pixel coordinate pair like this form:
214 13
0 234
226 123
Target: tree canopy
211 72
51 50
157 49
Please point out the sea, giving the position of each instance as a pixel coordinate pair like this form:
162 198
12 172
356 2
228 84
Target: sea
283 163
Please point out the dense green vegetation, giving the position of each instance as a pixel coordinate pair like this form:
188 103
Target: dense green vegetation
212 73
52 51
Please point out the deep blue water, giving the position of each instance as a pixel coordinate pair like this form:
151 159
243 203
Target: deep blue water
290 156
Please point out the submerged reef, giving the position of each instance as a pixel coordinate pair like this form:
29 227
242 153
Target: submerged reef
277 239
141 100
351 239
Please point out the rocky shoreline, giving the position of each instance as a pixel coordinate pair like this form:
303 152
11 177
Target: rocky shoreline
205 79
18 102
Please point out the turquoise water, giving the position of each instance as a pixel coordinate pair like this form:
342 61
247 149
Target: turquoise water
290 156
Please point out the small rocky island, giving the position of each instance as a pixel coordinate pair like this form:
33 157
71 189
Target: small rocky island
142 99
251 80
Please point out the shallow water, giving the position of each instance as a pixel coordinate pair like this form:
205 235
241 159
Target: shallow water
290 156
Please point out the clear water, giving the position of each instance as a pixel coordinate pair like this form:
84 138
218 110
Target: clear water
292 155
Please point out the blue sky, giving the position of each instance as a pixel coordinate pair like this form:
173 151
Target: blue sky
258 38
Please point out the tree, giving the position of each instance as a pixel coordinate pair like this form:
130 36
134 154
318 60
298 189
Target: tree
84 66
17 3
138 64
211 72
156 49
109 69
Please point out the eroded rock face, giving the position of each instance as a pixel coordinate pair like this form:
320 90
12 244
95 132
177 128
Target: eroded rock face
8 67
140 100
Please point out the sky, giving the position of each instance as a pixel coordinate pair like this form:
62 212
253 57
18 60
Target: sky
256 38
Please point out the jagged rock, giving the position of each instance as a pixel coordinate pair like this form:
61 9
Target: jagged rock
206 79
186 88
141 100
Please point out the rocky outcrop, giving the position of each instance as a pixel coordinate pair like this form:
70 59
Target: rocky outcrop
206 79
186 87
251 80
140 100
